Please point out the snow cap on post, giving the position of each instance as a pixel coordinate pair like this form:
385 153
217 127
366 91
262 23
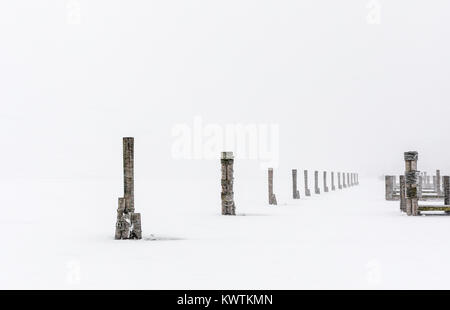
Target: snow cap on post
227 155
411 156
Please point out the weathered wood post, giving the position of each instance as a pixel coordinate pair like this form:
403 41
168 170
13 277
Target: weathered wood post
272 198
438 182
123 223
136 231
128 173
402 194
325 187
348 180
389 187
447 190
420 185
227 195
316 182
128 224
295 192
339 180
307 191
411 178
333 187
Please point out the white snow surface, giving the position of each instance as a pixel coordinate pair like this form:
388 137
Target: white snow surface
60 235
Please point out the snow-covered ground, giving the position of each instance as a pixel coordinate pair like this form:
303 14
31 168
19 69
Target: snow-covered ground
59 234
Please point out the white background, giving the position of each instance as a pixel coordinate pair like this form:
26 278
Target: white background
347 95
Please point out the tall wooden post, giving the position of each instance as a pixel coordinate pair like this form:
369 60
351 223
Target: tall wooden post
420 185
343 180
325 187
227 195
316 182
402 194
307 191
348 180
333 187
389 187
128 173
295 192
411 177
339 180
447 190
272 198
438 182
128 225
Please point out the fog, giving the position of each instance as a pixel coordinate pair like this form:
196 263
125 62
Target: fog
349 91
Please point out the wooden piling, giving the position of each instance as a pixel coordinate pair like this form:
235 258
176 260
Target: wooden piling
438 186
128 173
325 187
272 198
316 182
447 190
295 192
128 225
411 179
389 187
333 187
227 195
402 194
307 191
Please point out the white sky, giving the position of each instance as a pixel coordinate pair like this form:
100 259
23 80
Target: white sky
347 95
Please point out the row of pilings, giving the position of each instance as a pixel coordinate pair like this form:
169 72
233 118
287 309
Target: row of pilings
128 223
415 187
348 180
228 205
